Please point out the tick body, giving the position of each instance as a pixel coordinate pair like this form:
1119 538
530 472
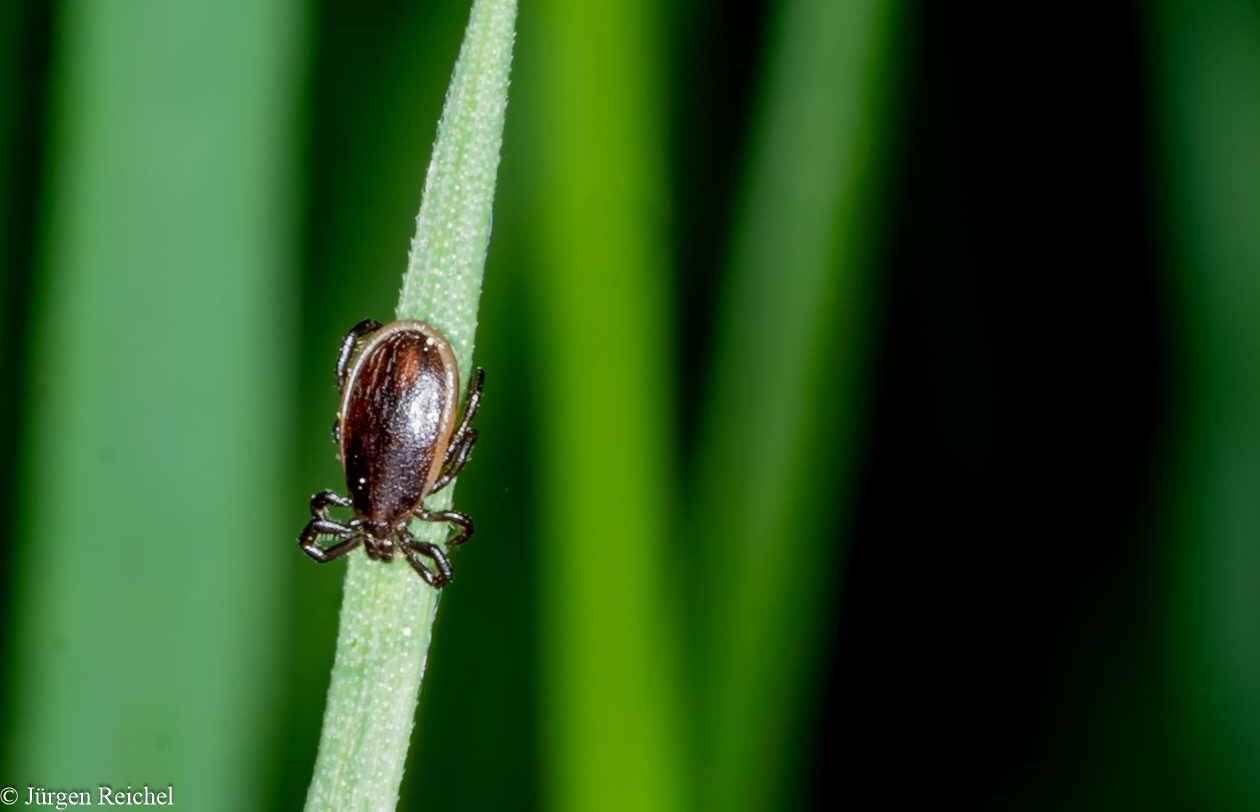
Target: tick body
398 442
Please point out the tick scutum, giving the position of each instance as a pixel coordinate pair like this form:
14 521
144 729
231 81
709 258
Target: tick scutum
397 417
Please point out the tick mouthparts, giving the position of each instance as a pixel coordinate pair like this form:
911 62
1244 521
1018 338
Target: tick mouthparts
379 530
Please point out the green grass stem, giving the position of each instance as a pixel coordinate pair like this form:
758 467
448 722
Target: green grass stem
387 611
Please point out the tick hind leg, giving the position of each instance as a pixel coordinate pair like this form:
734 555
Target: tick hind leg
357 332
321 524
474 401
458 452
413 549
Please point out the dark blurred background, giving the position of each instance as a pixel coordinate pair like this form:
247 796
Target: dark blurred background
1033 551
1023 367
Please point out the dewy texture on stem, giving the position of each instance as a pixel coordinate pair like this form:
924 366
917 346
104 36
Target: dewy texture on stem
443 281
387 611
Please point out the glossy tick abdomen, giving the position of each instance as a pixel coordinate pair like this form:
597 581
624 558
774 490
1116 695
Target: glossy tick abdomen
397 417
398 442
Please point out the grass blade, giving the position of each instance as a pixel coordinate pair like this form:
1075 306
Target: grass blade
387 611
612 729
1208 92
781 414
149 590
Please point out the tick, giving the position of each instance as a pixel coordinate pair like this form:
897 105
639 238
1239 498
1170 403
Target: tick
398 444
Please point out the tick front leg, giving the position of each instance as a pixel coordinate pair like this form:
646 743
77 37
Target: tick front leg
347 347
322 525
317 527
460 520
411 547
321 501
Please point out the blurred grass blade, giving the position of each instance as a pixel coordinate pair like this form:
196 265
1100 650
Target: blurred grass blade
151 542
387 611
23 70
612 732
1207 72
780 419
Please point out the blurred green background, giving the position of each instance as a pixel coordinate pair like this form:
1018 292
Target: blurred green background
872 410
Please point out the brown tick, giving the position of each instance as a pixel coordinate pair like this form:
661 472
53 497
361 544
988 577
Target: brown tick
396 436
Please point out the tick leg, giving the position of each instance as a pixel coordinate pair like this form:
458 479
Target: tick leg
347 346
470 408
462 441
322 527
456 459
443 576
321 501
454 517
410 547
